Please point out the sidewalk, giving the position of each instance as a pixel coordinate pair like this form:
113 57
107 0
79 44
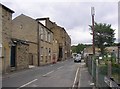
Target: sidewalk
85 78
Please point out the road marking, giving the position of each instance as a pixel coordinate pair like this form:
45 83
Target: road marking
75 77
27 83
51 65
47 73
79 79
92 84
60 67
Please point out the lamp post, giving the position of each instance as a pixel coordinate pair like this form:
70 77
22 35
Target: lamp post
93 13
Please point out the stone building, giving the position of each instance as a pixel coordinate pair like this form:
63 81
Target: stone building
5 36
62 38
25 28
37 36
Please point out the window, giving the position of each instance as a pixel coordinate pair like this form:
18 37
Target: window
41 33
49 36
41 51
41 54
46 51
0 50
49 51
46 35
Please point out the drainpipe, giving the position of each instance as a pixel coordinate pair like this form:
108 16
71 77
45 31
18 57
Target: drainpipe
38 43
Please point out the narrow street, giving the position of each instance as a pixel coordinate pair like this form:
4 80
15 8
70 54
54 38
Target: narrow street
61 74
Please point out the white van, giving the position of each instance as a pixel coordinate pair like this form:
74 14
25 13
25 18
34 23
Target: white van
77 58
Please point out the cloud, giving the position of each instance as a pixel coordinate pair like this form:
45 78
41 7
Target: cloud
80 36
74 16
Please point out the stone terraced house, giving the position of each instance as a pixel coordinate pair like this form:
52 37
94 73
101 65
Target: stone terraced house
25 41
39 38
5 37
63 47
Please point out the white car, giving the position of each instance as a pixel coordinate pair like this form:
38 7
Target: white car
77 58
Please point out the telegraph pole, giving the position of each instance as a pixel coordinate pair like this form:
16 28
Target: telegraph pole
93 45
93 13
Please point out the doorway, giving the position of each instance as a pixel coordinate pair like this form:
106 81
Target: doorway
13 56
60 54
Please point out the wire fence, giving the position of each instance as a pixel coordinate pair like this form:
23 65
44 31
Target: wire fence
103 71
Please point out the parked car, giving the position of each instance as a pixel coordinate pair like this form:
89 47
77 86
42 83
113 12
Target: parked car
77 58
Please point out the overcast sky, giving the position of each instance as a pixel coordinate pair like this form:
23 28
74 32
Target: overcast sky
73 15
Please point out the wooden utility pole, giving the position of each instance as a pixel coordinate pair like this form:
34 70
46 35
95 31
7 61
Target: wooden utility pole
93 13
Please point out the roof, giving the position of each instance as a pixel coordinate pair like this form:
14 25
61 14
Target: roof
42 18
34 20
6 8
45 27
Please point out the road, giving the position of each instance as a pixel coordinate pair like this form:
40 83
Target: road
61 74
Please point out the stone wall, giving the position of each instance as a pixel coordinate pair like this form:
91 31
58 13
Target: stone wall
46 57
6 38
22 59
61 36
25 28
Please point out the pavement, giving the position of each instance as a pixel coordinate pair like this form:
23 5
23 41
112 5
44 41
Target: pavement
85 79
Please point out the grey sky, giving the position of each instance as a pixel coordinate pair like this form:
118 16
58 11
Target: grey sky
74 16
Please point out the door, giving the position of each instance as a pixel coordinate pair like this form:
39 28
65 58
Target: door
13 56
60 53
30 59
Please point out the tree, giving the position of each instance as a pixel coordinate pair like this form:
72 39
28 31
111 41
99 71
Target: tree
73 48
78 48
103 35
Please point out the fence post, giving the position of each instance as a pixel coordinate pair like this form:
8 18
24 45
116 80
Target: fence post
97 70
109 66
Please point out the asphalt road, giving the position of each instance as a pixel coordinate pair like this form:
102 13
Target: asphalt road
61 74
